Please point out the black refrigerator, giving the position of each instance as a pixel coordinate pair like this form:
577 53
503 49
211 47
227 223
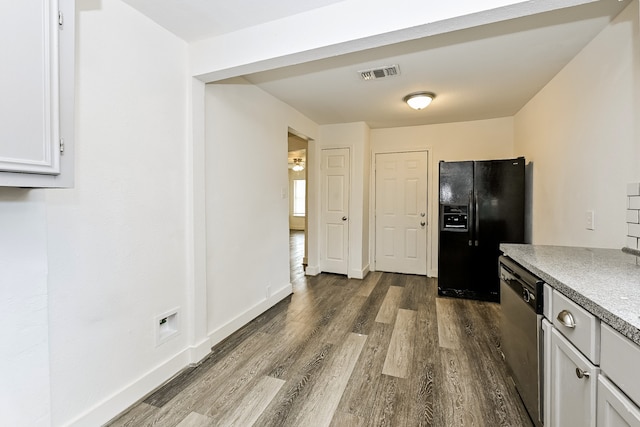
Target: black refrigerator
481 205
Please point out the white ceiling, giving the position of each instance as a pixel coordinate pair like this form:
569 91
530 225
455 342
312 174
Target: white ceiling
198 19
478 73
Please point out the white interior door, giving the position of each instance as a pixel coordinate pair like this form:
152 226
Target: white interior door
401 212
334 173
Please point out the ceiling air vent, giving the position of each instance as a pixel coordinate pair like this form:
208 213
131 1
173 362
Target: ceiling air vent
378 73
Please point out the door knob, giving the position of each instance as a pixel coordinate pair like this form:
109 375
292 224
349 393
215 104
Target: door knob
422 223
344 218
422 214
581 374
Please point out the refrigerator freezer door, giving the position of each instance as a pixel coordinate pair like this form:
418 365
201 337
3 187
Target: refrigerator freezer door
455 244
455 274
456 182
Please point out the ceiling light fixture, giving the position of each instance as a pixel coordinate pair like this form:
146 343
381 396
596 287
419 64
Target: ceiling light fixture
298 166
419 100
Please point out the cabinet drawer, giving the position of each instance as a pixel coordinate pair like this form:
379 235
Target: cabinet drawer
579 326
619 360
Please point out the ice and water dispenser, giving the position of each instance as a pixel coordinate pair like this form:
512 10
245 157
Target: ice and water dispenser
454 217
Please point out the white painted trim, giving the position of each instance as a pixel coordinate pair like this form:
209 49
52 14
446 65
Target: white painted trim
239 321
199 351
358 274
130 394
196 244
312 270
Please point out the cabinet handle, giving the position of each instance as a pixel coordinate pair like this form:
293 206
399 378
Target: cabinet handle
566 318
582 374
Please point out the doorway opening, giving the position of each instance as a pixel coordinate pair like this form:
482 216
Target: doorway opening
298 205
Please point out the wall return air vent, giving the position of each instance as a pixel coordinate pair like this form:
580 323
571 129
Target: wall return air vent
380 72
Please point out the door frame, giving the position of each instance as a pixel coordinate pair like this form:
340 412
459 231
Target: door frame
372 205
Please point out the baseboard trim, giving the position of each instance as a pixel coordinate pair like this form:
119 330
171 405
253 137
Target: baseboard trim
312 270
359 274
199 351
124 398
433 273
233 325
147 383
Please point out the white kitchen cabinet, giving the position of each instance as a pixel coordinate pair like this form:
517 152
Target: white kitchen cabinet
573 385
37 86
620 357
547 327
614 407
619 386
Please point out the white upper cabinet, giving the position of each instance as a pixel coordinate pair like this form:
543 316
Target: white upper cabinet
37 87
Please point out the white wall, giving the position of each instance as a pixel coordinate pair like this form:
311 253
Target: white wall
354 136
247 213
581 132
477 140
24 342
117 241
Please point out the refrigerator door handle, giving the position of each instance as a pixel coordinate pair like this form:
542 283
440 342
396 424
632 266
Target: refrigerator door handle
477 218
471 216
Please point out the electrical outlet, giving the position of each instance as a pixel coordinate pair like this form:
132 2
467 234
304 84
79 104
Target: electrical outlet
167 326
590 220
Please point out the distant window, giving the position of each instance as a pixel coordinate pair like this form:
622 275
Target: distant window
299 189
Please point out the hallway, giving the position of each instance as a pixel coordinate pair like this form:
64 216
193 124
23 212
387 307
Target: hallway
296 255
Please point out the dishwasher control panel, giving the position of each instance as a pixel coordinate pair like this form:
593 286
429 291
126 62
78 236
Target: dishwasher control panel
529 287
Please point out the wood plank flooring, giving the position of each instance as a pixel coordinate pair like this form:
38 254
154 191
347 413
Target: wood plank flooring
383 351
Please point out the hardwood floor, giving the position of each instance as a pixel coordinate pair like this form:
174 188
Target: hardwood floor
296 255
383 351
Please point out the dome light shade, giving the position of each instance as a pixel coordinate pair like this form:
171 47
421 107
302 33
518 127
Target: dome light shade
298 166
419 100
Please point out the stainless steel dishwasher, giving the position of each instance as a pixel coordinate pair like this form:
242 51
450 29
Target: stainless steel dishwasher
522 341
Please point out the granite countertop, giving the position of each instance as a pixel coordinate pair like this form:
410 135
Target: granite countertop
606 282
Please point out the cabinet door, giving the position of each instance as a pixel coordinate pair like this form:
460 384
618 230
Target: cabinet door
614 408
573 385
37 91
